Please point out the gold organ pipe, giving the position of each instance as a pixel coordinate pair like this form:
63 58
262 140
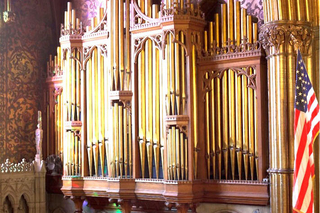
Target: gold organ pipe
251 129
178 152
183 83
195 110
156 100
225 121
130 144
73 19
69 9
255 32
244 24
218 126
249 28
116 45
256 153
231 21
78 88
207 112
121 43
210 36
116 137
177 74
213 124
120 140
56 130
71 144
238 87
238 23
101 105
95 107
169 157
186 158
217 29
142 109
168 75
69 85
245 125
75 154
125 141
149 103
111 57
232 133
205 35
128 56
182 154
89 118
224 31
174 151
172 75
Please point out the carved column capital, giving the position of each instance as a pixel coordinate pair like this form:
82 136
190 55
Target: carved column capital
297 34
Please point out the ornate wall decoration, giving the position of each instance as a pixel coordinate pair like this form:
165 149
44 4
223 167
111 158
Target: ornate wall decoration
24 48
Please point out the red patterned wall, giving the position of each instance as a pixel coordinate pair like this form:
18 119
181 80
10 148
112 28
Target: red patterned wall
24 50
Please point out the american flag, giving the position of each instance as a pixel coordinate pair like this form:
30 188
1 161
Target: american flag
306 129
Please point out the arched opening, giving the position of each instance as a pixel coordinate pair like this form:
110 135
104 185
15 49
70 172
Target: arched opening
23 205
7 206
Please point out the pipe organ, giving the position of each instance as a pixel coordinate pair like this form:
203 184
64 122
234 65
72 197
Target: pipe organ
155 96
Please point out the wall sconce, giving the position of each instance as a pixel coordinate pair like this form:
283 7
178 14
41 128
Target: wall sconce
8 15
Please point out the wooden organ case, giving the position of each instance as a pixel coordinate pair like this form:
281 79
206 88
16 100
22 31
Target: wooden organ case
154 103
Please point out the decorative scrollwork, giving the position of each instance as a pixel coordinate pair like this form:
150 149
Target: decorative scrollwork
72 30
230 48
208 76
277 33
140 42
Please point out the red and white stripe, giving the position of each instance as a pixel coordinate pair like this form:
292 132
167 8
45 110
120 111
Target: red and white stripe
306 128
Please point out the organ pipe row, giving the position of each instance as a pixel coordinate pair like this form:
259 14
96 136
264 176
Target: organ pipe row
99 130
230 106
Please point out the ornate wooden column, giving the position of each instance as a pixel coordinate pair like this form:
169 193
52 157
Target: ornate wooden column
287 27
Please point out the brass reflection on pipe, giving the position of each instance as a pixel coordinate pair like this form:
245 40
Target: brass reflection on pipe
218 125
238 23
178 152
238 87
183 81
130 144
125 141
224 30
195 110
213 126
182 154
177 74
245 126
251 129
173 153
207 114
116 137
120 132
172 75
225 119
231 115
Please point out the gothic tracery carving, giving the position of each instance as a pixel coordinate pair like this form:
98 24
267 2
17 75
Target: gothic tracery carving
276 34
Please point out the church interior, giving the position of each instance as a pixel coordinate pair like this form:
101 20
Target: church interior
152 105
